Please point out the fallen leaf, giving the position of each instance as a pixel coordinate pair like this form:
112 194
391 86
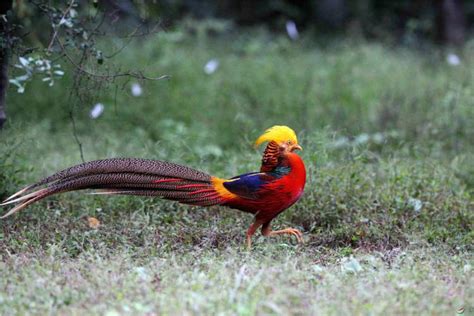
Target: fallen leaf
93 222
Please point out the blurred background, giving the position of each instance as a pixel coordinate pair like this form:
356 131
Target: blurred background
441 21
346 65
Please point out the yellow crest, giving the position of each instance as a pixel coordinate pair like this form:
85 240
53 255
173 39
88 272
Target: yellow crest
279 134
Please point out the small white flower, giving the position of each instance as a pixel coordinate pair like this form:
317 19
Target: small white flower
211 66
66 21
378 138
24 61
33 66
72 13
416 204
142 273
23 78
467 268
96 111
137 89
351 265
453 59
292 30
16 82
341 142
362 138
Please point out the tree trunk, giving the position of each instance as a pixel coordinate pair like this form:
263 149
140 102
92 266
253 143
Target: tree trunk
3 84
451 22
5 6
331 13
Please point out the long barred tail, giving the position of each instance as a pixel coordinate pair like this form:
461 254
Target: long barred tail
129 176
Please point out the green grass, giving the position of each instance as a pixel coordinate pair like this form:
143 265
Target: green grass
273 279
387 213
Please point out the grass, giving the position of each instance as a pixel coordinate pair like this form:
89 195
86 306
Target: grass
273 279
387 213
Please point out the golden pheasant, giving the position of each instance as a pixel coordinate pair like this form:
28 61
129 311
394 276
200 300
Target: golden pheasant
267 193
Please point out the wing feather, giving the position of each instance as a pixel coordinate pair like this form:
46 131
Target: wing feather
249 186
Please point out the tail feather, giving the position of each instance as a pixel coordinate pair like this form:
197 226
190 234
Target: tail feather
18 193
125 176
204 200
127 165
22 198
38 196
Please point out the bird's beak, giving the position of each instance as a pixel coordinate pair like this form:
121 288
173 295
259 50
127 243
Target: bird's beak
297 147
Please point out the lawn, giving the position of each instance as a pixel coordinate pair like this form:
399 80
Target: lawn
387 213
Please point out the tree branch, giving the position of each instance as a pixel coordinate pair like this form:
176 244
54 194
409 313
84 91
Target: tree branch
56 29
4 54
3 84
138 75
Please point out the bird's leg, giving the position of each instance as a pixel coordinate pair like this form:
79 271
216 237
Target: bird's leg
268 232
255 225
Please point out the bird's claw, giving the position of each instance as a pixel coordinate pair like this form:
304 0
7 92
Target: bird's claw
297 234
290 231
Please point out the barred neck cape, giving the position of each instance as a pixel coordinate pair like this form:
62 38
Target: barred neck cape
277 186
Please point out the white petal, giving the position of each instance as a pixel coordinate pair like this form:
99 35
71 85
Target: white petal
416 204
96 111
23 61
211 66
137 89
453 59
23 78
292 30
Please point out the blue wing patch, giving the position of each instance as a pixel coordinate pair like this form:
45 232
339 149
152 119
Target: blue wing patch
248 185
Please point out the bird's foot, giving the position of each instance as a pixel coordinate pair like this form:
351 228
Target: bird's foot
249 243
288 231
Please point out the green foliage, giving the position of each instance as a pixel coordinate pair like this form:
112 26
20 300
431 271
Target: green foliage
273 279
11 171
387 211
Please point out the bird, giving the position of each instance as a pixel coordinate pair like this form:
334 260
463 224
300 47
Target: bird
266 193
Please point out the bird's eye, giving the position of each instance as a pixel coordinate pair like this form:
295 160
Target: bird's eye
289 142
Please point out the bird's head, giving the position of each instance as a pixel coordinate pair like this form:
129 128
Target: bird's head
283 136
